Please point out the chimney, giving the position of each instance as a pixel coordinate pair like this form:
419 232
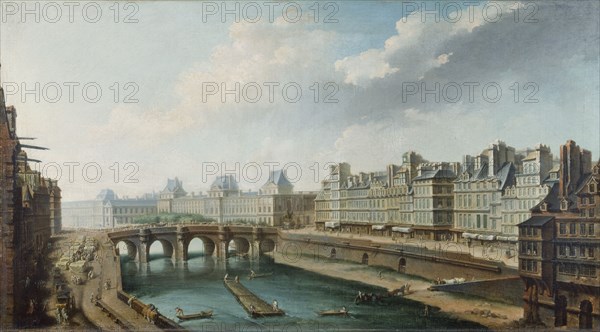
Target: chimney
574 163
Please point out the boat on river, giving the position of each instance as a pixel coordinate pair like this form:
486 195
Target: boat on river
259 275
342 312
198 315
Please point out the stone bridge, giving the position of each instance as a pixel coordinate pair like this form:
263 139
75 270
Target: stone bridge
175 240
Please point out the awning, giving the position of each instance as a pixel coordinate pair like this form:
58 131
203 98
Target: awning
332 224
402 229
469 235
486 237
378 227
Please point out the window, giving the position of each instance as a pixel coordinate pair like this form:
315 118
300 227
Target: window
571 250
478 221
587 270
582 251
567 268
582 229
590 251
563 228
562 250
591 229
572 229
485 219
529 265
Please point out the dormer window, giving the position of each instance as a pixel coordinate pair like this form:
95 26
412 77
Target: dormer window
564 205
544 207
592 188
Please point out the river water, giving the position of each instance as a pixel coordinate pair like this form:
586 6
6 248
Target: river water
198 285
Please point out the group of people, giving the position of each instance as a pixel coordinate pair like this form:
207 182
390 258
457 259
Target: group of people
107 284
62 317
77 280
367 297
226 278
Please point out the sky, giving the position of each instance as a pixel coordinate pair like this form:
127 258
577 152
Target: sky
200 89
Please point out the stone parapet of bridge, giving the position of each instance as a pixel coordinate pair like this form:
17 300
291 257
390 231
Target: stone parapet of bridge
175 240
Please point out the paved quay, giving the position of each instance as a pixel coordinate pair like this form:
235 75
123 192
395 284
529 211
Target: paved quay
488 251
104 269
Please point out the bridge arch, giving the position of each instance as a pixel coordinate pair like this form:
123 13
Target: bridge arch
127 247
238 246
208 243
167 247
267 245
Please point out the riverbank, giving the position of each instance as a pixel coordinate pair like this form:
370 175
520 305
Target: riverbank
86 315
454 305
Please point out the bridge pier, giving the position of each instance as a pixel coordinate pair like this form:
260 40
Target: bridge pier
180 252
143 250
222 248
223 242
255 249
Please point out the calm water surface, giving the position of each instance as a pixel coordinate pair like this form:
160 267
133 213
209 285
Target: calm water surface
198 285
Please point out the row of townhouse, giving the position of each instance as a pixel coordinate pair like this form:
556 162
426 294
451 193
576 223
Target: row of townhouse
483 198
559 255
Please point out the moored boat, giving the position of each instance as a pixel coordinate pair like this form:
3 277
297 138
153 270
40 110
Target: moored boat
199 315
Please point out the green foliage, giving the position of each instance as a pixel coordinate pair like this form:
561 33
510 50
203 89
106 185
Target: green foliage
170 218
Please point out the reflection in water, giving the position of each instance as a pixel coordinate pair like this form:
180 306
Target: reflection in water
198 285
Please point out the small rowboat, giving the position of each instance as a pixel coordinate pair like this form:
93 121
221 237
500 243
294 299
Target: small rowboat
260 275
199 315
333 313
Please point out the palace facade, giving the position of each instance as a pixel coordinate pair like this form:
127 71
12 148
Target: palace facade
107 210
275 203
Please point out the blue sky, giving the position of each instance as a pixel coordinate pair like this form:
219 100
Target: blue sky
369 56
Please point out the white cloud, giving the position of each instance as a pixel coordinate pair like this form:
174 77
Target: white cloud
411 52
257 55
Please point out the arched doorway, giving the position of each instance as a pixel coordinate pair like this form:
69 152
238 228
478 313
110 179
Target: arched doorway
365 259
560 311
402 265
585 315
332 253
